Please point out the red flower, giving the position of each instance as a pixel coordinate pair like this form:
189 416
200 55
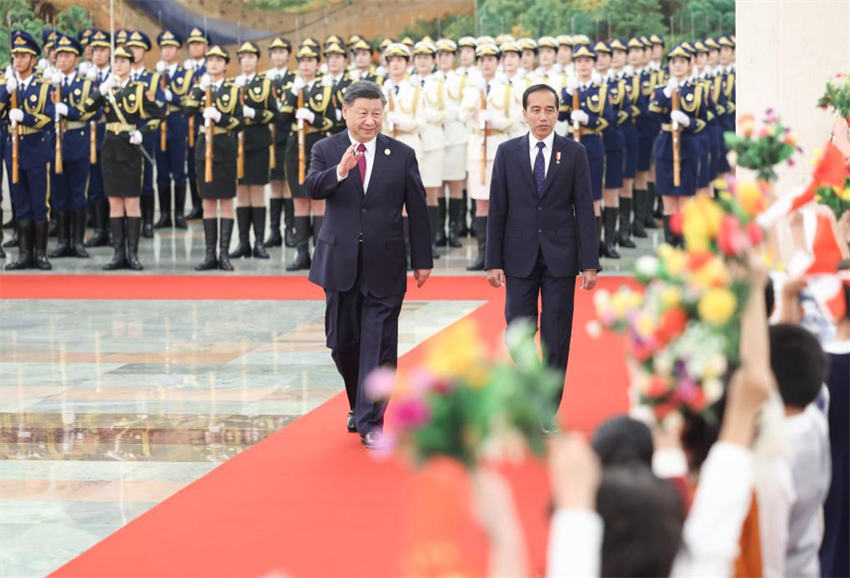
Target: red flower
662 409
755 233
676 222
657 387
412 413
698 259
672 323
731 240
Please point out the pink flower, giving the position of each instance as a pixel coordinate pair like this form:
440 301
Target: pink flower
380 383
422 381
731 239
411 413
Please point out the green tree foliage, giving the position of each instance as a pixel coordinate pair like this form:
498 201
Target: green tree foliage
19 14
702 18
72 20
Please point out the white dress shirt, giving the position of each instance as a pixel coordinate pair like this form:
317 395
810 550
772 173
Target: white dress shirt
370 160
549 142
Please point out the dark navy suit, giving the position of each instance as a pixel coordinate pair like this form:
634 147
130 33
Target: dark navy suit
542 240
360 259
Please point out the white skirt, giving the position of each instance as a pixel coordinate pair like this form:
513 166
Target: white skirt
431 168
454 162
474 187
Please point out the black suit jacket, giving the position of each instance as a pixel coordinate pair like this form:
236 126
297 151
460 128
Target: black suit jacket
561 223
372 218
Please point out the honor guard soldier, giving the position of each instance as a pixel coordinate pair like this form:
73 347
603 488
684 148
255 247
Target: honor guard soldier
129 107
4 130
456 136
727 120
121 36
139 44
656 61
175 82
631 85
47 62
528 61
615 144
28 152
432 104
587 121
363 68
280 199
511 56
259 109
197 44
684 120
704 136
99 71
84 37
71 127
466 57
718 98
382 60
565 55
645 123
339 79
490 110
548 71
221 110
304 108
330 40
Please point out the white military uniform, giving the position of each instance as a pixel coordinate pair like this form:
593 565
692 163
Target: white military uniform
432 104
405 115
455 130
504 113
557 79
520 83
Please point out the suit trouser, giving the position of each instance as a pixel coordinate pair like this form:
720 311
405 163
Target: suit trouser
31 194
68 189
556 316
171 163
362 334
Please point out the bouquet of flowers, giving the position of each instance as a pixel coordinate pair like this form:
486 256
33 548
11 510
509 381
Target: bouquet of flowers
461 405
836 95
761 150
682 325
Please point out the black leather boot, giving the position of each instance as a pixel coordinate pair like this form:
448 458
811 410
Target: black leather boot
274 239
39 257
24 259
164 193
463 229
119 255
640 208
258 217
288 223
134 226
2 252
609 226
78 232
302 245
180 206
454 222
625 227
147 217
440 238
434 219
655 201
101 225
63 235
599 233
10 224
669 237
243 220
52 226
14 239
197 211
480 226
224 245
210 242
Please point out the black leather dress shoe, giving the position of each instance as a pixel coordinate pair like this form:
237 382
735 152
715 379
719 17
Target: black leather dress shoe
372 440
350 425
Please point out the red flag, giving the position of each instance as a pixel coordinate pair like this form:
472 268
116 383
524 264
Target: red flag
831 169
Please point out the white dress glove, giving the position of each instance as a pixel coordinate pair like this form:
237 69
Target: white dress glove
354 74
240 80
135 138
56 78
84 68
327 81
205 83
484 116
91 73
160 66
248 112
272 74
43 63
189 64
108 84
572 86
16 115
297 85
61 108
338 113
579 116
305 114
482 85
169 96
212 113
680 118
11 84
672 86
404 123
433 116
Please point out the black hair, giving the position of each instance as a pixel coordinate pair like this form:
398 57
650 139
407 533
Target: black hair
643 517
798 363
537 88
363 89
769 297
623 440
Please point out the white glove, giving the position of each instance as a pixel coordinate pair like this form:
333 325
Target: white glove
56 78
482 84
91 73
271 74
338 113
189 64
579 116
42 63
61 108
672 86
305 114
169 96
161 66
11 84
297 85
572 86
205 82
84 68
355 75
48 72
405 123
16 115
432 115
327 81
248 112
680 118
108 84
392 118
212 113
240 80
484 116
135 138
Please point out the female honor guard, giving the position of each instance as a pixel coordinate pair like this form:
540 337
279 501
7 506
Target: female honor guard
128 107
700 75
280 199
196 44
339 79
587 122
69 184
28 165
258 111
218 99
456 136
681 121
489 108
642 86
100 44
304 110
510 75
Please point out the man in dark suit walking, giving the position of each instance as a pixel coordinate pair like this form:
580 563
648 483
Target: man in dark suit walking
366 178
541 230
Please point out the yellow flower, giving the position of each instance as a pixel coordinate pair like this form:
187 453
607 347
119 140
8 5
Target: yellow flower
671 297
751 197
644 325
712 274
717 306
457 353
700 222
675 261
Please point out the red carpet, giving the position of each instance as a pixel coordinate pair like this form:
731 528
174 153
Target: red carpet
308 500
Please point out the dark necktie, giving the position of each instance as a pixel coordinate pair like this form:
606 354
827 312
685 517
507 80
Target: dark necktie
540 168
361 163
